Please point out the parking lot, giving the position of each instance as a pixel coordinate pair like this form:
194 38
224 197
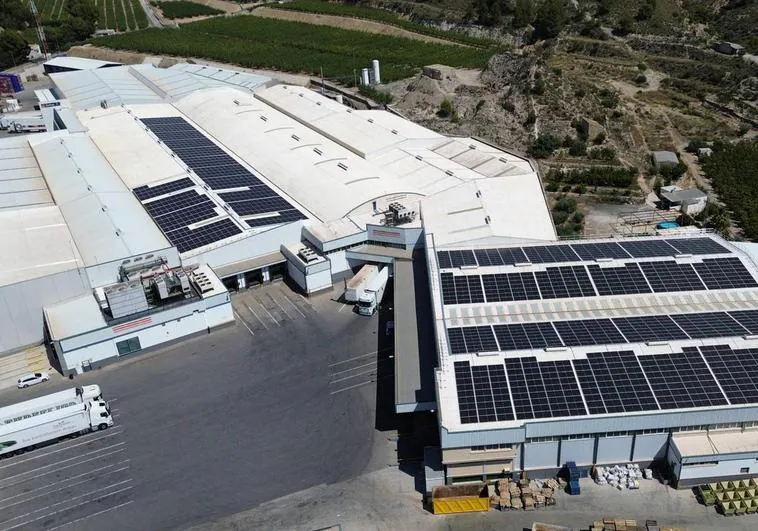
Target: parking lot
281 401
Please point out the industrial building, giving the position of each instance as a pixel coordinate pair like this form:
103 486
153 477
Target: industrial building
164 187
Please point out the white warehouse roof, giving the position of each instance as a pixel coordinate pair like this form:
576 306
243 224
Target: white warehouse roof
21 181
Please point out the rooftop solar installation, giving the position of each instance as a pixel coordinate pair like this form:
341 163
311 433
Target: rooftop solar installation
625 280
668 276
725 273
545 254
594 251
649 328
564 282
648 248
710 324
736 371
698 246
543 389
482 393
588 332
747 318
504 287
681 380
526 336
219 171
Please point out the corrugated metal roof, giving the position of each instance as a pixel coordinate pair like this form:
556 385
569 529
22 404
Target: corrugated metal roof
79 63
227 76
74 316
21 181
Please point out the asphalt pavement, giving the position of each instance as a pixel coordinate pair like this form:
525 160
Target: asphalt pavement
280 402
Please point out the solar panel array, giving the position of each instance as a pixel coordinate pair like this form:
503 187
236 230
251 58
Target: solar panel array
560 282
610 331
606 383
577 252
220 171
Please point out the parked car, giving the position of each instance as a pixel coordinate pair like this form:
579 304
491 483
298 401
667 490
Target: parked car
32 379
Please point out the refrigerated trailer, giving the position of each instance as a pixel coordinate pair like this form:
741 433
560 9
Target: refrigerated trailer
358 283
48 403
49 427
372 296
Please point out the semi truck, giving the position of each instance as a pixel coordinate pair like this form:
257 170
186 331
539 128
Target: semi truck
373 294
357 284
45 404
45 428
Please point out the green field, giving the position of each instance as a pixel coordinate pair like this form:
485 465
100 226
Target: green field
296 47
121 15
380 15
184 9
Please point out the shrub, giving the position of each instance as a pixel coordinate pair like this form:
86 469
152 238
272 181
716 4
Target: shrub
530 118
578 148
640 79
608 98
604 153
508 105
379 96
544 146
596 176
560 217
185 9
552 187
599 138
446 109
565 204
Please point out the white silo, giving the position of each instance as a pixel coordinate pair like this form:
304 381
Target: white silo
364 77
375 66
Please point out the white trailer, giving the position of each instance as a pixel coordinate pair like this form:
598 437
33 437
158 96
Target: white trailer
357 284
373 294
45 404
49 427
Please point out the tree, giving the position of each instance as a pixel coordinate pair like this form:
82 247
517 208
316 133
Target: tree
446 109
578 148
523 13
550 20
13 49
13 15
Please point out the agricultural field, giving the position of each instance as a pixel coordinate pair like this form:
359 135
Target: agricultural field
184 9
296 47
121 15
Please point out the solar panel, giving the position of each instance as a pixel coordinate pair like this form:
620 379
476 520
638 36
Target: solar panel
485 403
681 380
709 324
464 385
564 282
186 216
697 246
505 287
462 258
545 254
748 319
593 251
624 280
260 206
443 257
186 239
479 339
543 389
158 207
457 343
461 289
725 273
148 192
735 370
588 332
649 328
284 216
648 248
256 192
668 275
500 393
500 257
526 336
613 382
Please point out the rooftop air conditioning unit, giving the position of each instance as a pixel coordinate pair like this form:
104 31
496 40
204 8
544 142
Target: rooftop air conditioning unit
307 255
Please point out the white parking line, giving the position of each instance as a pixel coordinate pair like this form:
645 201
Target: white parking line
293 305
110 433
269 314
256 315
342 307
65 508
354 368
353 376
280 306
61 503
61 468
356 358
91 515
59 462
351 387
58 489
306 300
241 320
69 479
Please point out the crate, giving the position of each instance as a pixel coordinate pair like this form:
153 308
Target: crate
739 507
727 508
751 506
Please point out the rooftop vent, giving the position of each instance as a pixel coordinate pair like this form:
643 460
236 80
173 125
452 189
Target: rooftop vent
471 146
394 131
419 157
342 166
371 120
264 118
296 138
236 102
307 255
317 151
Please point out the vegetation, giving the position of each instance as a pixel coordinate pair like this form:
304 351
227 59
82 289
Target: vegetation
734 174
544 146
567 219
296 47
379 96
380 15
596 176
185 9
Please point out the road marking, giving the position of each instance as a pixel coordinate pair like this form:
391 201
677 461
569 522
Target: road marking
293 305
58 469
58 489
91 515
69 479
354 368
306 300
37 456
64 501
353 376
351 387
64 509
268 312
243 323
280 306
256 316
59 462
359 357
342 307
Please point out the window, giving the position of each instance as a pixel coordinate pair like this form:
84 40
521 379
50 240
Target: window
745 470
128 346
491 447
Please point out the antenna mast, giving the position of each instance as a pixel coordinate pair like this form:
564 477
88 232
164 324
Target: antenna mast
40 30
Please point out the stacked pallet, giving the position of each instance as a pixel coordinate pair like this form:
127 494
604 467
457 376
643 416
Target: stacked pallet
618 524
523 494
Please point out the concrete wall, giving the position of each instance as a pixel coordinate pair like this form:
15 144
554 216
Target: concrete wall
650 447
339 262
540 455
407 236
21 317
614 450
581 451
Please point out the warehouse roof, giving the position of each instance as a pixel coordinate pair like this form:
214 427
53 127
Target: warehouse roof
37 243
73 317
21 181
78 63
546 328
716 442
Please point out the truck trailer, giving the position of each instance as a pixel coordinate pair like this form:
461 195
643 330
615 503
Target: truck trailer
46 428
358 283
46 404
374 293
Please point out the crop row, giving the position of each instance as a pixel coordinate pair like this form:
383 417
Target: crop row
184 9
120 15
380 15
296 47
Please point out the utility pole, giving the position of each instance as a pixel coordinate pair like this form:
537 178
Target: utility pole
40 30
